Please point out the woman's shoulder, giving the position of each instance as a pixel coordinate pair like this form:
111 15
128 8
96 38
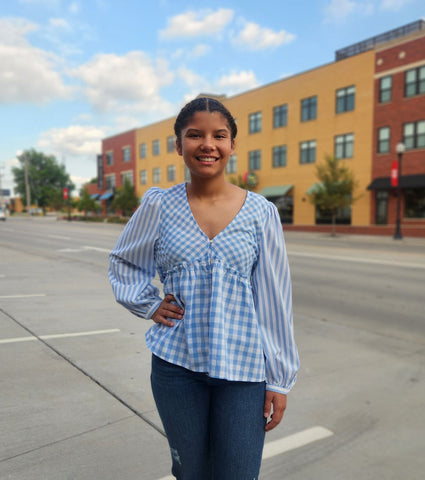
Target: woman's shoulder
156 194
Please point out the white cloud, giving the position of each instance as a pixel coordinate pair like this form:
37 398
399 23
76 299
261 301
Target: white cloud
337 11
255 37
394 5
130 82
72 140
20 62
59 23
194 23
237 82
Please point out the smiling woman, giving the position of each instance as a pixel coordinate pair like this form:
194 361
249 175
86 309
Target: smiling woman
224 355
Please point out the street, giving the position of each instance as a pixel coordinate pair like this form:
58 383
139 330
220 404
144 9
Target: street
75 400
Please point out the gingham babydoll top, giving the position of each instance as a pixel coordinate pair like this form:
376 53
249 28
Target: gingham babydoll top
235 289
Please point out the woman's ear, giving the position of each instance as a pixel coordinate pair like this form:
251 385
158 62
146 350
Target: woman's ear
179 147
232 147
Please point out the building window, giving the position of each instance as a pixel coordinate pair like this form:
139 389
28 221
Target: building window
414 201
155 147
127 177
308 109
171 173
344 146
345 99
231 166
109 158
143 150
279 156
308 152
126 154
384 139
110 182
414 135
171 144
254 160
385 88
255 122
156 175
280 116
415 81
143 177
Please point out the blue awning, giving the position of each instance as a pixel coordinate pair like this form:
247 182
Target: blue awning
106 196
95 196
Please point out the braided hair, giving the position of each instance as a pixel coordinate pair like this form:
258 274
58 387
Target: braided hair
203 104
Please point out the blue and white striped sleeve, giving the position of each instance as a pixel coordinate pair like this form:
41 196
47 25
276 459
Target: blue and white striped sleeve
131 262
273 302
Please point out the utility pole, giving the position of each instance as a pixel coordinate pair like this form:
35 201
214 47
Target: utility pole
27 185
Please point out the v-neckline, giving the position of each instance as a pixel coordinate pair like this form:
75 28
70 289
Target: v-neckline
196 222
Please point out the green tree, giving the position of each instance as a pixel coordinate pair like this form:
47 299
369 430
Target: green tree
86 203
46 179
335 187
125 199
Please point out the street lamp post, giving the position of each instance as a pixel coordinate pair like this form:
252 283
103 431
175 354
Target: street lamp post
400 148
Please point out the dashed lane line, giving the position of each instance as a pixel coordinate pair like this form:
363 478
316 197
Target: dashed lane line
374 261
291 442
58 335
30 295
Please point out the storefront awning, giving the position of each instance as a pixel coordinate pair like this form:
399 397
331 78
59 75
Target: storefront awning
314 187
95 196
277 191
106 196
406 181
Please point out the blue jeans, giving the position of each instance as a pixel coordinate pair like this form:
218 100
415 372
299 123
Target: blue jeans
215 428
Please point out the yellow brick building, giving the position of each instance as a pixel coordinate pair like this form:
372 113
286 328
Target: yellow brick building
284 129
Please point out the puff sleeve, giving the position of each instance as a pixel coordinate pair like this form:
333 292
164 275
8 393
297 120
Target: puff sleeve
273 302
132 263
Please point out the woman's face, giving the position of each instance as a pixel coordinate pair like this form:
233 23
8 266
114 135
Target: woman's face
206 144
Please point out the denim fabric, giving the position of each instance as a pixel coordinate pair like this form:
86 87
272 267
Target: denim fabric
215 427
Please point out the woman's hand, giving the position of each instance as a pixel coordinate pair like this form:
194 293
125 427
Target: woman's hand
278 400
167 310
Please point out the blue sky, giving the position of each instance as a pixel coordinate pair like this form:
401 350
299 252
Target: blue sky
73 72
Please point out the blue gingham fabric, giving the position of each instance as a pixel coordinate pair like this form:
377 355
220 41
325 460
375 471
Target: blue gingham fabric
235 289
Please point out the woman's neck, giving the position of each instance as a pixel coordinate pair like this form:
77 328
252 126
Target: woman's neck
207 188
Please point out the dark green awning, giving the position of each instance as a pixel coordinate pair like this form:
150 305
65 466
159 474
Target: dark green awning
277 191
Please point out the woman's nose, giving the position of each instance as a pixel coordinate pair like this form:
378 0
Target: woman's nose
208 143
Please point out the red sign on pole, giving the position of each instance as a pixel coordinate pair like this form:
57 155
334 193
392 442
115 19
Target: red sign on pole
65 193
394 173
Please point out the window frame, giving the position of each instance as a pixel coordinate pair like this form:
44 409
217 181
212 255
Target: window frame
156 150
385 92
280 116
344 141
254 160
381 140
143 177
415 136
279 156
171 173
309 108
308 147
346 94
156 175
143 150
255 121
126 154
232 164
418 83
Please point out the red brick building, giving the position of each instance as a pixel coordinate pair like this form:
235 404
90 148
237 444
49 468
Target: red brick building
117 163
399 117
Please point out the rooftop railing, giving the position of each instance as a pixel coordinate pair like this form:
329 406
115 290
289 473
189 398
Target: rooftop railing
370 43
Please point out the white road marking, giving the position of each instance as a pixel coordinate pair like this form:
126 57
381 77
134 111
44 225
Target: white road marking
286 444
24 296
59 237
59 335
84 249
294 441
98 249
356 260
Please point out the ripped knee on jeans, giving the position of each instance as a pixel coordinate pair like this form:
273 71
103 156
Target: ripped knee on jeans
175 456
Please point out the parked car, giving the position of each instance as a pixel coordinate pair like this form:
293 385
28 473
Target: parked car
2 214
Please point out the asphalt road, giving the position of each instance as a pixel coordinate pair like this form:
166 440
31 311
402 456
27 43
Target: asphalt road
75 399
